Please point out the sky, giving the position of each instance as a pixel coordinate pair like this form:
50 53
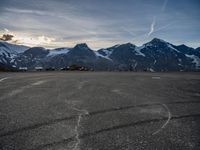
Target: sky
99 23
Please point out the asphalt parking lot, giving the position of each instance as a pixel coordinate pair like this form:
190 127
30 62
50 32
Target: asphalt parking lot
99 111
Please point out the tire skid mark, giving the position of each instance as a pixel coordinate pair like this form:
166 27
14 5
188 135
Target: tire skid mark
137 123
140 105
87 115
35 126
173 118
132 124
53 143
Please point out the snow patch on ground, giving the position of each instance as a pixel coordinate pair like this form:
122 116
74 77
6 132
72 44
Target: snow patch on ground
196 60
57 52
3 79
138 50
135 65
116 46
100 55
38 83
170 46
169 116
151 70
108 52
21 89
82 113
13 48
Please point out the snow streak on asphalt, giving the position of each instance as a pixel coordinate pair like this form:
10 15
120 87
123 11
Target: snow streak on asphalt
81 84
77 135
3 79
21 89
117 91
165 124
54 121
38 83
82 113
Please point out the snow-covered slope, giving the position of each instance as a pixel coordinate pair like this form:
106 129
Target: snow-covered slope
102 56
195 60
12 48
8 51
58 51
156 55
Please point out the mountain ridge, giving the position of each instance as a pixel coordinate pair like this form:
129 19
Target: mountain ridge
155 55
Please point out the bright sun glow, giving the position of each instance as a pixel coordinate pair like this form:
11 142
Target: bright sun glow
34 41
28 39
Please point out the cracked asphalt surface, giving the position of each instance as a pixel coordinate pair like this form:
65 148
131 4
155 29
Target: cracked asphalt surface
99 111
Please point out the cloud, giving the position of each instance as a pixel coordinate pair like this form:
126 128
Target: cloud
164 5
152 27
30 40
6 37
25 11
45 39
6 30
70 22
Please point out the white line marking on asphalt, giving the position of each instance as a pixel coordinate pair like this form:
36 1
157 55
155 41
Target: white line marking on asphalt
157 78
3 79
165 124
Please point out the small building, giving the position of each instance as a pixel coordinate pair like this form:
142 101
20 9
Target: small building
23 68
38 68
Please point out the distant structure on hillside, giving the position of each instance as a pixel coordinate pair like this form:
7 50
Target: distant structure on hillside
38 68
23 68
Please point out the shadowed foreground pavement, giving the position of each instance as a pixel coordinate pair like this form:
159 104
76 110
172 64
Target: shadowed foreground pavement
99 111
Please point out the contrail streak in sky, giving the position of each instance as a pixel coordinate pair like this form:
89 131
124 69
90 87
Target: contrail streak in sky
164 5
152 27
163 27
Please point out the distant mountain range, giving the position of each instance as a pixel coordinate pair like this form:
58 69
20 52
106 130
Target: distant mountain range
156 55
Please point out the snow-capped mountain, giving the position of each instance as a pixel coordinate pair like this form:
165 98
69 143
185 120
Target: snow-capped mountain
156 55
8 52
